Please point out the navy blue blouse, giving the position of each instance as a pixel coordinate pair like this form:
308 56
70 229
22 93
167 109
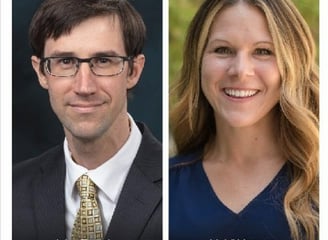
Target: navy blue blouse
196 213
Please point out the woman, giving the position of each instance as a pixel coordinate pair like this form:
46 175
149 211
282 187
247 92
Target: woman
246 125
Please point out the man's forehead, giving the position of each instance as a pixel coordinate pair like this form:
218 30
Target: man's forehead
97 34
112 21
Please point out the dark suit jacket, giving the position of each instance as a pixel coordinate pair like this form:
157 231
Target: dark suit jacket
39 196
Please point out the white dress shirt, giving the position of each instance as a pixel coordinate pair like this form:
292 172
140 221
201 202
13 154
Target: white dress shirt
109 178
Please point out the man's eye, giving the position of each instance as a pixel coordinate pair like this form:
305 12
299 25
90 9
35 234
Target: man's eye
103 60
107 61
66 61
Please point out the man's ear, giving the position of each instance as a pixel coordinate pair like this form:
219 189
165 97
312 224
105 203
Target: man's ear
41 76
137 67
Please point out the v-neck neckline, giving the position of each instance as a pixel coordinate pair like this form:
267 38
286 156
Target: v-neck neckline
217 199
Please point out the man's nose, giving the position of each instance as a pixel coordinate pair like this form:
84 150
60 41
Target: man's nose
85 80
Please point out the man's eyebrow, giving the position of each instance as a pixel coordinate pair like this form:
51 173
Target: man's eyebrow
62 54
96 54
106 53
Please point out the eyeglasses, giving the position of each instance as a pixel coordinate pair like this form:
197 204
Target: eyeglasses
100 66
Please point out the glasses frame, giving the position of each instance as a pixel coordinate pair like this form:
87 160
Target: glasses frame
46 61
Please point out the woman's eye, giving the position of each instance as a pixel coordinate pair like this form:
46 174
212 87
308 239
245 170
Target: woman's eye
263 51
223 51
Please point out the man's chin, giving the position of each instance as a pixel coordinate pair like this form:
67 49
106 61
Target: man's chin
84 133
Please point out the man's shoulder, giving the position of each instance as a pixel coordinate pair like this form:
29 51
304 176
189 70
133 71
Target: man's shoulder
148 135
149 156
149 143
32 166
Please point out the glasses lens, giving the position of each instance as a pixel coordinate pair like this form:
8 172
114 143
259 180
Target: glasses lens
62 66
107 66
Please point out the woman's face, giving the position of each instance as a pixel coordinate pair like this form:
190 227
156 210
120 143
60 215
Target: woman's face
240 76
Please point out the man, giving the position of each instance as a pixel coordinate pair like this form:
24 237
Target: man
88 55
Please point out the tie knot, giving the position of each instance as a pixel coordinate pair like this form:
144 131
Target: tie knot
86 187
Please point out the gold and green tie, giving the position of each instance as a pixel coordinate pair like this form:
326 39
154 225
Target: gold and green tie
87 225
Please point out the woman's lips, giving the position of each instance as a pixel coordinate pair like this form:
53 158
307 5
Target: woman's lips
240 93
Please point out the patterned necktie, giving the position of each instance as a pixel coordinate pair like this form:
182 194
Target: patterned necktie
87 225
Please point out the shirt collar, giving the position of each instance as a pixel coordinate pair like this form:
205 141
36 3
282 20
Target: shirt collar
110 176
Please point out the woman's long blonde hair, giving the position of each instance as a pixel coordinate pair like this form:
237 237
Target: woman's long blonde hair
192 119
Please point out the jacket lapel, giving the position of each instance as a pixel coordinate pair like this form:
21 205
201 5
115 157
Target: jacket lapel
141 193
137 202
49 197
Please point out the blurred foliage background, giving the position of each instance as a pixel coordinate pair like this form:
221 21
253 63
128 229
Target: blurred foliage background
182 11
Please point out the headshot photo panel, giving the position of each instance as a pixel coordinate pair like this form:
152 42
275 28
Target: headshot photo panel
244 120
87 120
35 126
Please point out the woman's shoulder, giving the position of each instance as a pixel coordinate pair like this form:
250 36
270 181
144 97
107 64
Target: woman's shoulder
185 159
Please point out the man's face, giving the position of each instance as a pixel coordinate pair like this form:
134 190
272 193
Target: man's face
89 106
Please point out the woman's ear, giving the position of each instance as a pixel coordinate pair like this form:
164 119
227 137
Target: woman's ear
137 67
41 76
